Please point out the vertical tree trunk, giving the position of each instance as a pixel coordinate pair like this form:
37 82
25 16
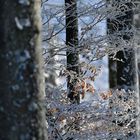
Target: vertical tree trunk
137 35
122 73
112 64
22 115
126 72
72 42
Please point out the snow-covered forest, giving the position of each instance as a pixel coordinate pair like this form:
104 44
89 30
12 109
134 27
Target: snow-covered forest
70 70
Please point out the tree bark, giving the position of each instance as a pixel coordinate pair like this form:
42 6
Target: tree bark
112 64
72 43
22 114
137 35
123 75
126 69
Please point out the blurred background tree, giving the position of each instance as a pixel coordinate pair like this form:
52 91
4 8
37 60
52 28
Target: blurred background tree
22 88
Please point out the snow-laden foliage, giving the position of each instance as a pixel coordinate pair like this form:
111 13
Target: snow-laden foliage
108 114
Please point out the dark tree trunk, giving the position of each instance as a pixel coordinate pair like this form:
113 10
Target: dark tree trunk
126 74
122 73
137 35
72 42
22 116
125 70
112 64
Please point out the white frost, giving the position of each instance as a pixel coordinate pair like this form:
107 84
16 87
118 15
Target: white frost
27 54
33 106
22 56
21 23
19 26
15 87
24 2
